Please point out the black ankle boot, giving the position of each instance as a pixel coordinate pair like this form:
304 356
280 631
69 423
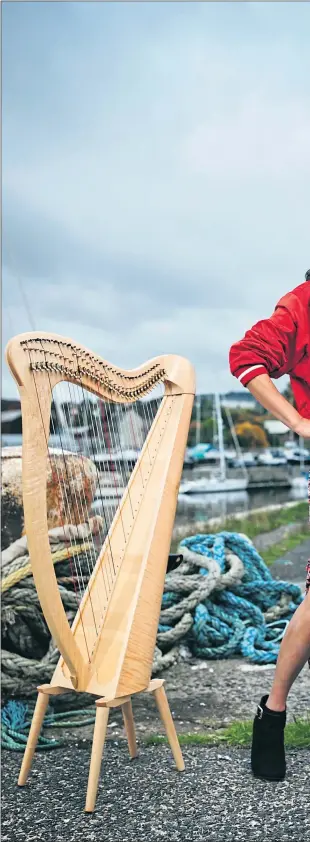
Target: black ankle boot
268 754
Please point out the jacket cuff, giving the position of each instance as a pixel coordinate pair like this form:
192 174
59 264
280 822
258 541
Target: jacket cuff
250 372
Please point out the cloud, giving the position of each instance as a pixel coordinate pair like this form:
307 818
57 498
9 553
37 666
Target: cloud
260 139
155 173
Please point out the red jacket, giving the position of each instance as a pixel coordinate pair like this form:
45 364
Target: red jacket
279 345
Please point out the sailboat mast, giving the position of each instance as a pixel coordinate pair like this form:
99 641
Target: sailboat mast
235 440
198 419
220 436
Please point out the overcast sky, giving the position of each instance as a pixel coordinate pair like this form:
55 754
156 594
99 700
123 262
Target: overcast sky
156 173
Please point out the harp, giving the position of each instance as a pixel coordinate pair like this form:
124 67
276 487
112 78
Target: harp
108 650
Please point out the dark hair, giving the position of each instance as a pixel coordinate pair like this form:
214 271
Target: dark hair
307 275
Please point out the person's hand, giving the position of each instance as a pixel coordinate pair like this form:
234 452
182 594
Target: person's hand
303 428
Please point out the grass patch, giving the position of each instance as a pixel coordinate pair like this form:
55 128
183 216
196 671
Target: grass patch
258 523
297 735
184 739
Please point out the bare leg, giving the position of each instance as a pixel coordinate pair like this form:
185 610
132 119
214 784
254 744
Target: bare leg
294 654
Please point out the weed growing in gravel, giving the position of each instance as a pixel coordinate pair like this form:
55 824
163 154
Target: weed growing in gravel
297 735
260 522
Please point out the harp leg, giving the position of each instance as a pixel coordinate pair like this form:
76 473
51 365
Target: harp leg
130 728
102 716
165 713
37 720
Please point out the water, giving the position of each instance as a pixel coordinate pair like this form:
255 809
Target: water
194 508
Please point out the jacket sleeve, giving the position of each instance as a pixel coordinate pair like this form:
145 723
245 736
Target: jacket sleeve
268 347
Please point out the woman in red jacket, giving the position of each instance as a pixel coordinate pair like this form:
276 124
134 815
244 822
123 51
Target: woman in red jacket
273 347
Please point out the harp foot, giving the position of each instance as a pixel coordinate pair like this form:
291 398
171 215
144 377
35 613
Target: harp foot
102 716
130 728
165 713
36 725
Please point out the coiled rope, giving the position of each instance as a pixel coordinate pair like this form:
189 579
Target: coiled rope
233 606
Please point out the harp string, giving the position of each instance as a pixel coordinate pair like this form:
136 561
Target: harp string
83 507
110 433
62 523
114 463
120 460
82 517
101 531
107 438
76 563
98 447
104 534
91 563
147 423
90 455
89 441
78 516
112 421
111 429
103 438
132 421
100 444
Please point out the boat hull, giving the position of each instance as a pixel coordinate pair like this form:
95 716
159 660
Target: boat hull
213 486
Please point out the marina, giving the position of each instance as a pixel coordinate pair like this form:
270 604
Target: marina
155 422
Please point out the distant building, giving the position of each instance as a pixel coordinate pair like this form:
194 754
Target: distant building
276 428
11 417
235 400
131 430
239 400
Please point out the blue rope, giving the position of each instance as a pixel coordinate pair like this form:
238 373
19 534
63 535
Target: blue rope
16 720
232 622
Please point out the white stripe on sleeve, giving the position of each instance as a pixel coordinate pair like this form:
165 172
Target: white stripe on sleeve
248 370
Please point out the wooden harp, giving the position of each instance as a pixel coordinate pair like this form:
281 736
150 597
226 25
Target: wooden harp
108 650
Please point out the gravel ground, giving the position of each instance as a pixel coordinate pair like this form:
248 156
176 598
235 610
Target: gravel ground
147 800
203 696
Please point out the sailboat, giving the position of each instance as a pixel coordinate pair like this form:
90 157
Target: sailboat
218 482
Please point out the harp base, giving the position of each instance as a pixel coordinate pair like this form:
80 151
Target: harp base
156 687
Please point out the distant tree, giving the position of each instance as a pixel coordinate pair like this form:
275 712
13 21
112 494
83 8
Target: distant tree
207 430
251 435
191 441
